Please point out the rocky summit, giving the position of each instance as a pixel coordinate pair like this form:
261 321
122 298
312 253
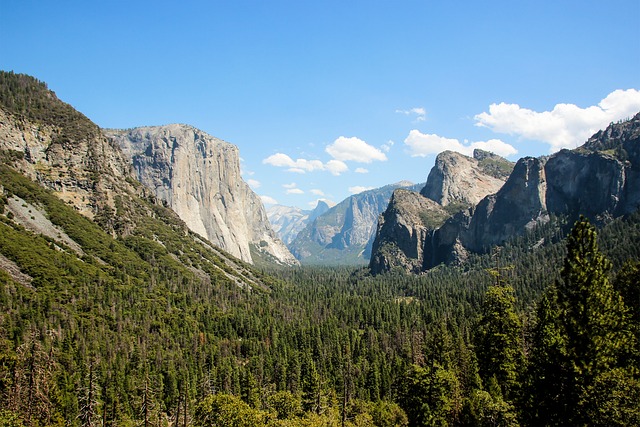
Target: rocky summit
344 234
599 180
198 176
455 183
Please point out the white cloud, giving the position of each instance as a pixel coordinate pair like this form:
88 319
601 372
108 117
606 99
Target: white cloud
419 112
387 147
422 145
317 192
294 191
359 189
567 125
292 185
496 146
267 200
336 167
354 149
254 183
361 170
298 165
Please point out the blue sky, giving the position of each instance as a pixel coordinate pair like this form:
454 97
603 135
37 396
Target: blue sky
326 98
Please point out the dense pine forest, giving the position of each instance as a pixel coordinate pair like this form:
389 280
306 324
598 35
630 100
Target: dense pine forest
533 334
136 321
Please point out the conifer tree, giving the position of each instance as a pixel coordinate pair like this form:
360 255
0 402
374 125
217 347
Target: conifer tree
582 336
498 339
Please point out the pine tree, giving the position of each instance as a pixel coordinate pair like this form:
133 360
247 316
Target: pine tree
581 338
498 340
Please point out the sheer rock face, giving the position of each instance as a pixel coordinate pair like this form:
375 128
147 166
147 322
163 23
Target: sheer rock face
198 176
87 172
598 180
288 221
406 231
402 231
344 234
456 178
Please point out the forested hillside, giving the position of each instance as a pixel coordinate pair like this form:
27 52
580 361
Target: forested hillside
124 335
123 317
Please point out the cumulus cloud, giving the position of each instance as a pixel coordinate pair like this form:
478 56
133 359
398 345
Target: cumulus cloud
294 191
253 183
354 149
361 170
298 165
292 185
422 145
359 189
268 200
317 192
335 167
566 126
419 112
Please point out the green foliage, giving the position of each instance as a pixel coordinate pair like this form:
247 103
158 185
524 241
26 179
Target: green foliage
9 419
583 336
27 97
152 324
225 410
430 395
498 339
485 409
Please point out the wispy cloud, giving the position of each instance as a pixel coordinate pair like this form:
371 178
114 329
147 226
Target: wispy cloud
419 112
359 189
361 170
253 183
268 200
566 126
387 147
317 192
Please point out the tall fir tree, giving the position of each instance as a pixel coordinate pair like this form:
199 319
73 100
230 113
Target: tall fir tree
581 338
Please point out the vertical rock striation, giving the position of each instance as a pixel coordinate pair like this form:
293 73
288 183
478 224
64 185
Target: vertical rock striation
198 176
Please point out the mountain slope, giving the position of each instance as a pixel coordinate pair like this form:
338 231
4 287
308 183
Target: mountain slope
455 183
599 180
288 221
344 234
53 144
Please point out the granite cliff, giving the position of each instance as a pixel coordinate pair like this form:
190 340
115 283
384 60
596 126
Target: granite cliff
97 171
599 180
455 183
198 176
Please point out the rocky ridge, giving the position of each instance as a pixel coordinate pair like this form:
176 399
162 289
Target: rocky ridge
198 176
455 183
288 221
599 180
344 234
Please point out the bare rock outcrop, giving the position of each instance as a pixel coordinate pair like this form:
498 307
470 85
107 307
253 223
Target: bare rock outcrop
456 178
198 176
599 180
406 231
